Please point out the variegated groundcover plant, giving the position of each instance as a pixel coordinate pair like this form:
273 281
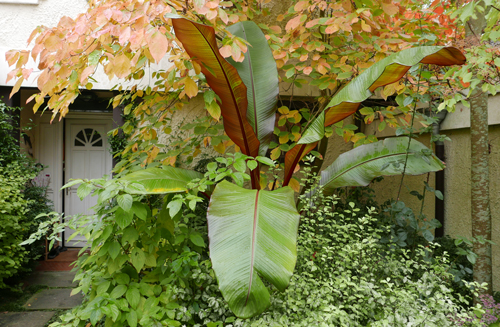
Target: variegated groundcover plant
253 232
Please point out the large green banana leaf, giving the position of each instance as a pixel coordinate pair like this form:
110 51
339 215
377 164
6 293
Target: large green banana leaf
361 165
347 101
199 42
252 234
260 75
160 181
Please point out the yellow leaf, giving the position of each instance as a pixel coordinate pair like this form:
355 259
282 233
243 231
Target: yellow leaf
332 29
283 139
294 184
121 66
190 87
214 110
116 100
170 161
220 148
275 153
365 27
263 180
152 155
390 9
296 137
283 110
197 67
16 86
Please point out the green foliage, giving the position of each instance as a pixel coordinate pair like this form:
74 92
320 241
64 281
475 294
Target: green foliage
406 230
13 222
345 275
21 200
9 151
148 263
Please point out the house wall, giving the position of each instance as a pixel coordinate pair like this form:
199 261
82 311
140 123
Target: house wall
458 194
18 20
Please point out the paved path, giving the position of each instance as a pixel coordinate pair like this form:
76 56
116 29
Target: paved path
56 297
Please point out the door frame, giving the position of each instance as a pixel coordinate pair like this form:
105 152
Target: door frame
57 131
81 118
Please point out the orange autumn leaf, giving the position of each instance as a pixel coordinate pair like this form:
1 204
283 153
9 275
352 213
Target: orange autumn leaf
293 23
301 5
225 51
158 45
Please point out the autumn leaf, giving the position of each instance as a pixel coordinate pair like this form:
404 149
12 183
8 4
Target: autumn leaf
294 184
307 70
332 29
301 5
52 43
190 87
16 86
225 51
293 23
365 27
121 66
214 110
390 9
158 46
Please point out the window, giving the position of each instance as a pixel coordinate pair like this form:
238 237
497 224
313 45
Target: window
88 137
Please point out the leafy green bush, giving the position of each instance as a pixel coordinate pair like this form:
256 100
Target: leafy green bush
146 267
149 266
20 202
346 277
13 223
403 229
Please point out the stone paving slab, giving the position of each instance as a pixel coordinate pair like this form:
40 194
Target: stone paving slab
25 319
54 299
52 279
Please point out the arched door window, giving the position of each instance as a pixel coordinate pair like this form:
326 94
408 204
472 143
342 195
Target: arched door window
88 137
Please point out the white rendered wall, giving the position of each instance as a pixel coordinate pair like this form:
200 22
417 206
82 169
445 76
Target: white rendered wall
18 20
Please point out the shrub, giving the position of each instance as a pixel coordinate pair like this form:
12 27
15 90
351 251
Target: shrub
346 276
20 202
145 268
148 268
13 223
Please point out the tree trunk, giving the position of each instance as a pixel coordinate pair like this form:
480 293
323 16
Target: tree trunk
480 186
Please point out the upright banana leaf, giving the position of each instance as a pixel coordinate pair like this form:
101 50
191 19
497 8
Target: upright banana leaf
252 234
160 181
199 42
260 75
361 165
346 102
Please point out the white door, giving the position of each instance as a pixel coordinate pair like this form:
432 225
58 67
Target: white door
88 157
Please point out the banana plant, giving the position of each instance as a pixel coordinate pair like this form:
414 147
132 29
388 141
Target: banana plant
253 232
